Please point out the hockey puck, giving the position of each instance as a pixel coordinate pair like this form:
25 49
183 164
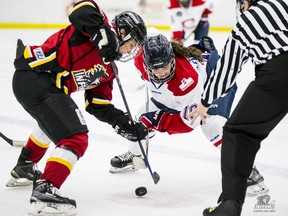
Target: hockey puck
141 191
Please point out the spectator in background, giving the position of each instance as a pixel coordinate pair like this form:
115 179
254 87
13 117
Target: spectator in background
189 18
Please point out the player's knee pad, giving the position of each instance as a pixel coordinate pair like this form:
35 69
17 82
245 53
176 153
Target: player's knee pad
77 143
59 117
213 129
64 156
39 138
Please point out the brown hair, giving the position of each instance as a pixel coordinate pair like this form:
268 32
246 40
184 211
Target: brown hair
187 52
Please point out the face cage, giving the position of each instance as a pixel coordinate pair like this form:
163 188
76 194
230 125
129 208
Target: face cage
133 54
132 33
162 80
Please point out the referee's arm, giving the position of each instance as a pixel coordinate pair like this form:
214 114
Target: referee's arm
224 74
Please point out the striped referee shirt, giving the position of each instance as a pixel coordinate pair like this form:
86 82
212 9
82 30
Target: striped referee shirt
260 34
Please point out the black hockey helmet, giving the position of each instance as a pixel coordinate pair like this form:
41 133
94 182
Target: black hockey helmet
134 27
158 53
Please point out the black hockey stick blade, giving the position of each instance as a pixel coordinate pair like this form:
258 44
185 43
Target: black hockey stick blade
156 177
11 142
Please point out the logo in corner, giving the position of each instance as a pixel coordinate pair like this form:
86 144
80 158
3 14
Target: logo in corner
264 204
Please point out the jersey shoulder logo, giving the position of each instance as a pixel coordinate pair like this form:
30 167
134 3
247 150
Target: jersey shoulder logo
185 83
39 54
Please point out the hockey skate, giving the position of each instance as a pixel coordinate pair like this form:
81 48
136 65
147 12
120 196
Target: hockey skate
127 162
46 200
24 171
225 208
255 184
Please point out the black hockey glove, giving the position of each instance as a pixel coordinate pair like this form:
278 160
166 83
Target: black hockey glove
105 40
123 127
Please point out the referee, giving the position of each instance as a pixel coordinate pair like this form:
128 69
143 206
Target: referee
261 35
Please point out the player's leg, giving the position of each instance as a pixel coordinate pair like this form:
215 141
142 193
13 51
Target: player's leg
260 109
132 160
26 167
219 111
64 123
60 119
202 29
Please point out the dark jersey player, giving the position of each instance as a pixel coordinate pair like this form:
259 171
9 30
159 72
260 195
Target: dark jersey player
74 58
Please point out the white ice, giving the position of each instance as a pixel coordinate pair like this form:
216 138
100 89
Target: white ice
188 164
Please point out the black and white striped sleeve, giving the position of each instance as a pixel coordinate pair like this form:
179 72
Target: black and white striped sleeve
260 34
225 72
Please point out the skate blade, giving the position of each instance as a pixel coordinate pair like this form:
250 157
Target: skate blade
127 169
18 182
51 209
139 163
257 189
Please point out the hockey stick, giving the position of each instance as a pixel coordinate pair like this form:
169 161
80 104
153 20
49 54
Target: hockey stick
14 143
147 110
188 36
154 175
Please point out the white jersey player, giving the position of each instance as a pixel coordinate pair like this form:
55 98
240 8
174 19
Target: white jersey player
189 17
175 76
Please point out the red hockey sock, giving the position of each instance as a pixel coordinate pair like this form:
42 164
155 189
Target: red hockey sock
56 173
37 151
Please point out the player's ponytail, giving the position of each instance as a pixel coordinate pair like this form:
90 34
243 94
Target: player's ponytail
187 52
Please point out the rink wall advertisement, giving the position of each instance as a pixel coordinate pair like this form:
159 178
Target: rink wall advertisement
53 13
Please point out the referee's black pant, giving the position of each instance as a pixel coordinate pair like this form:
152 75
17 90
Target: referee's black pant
262 106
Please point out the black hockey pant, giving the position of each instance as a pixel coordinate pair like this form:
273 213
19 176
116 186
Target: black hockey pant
55 112
261 108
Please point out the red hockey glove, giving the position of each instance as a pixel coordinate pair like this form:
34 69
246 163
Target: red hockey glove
154 120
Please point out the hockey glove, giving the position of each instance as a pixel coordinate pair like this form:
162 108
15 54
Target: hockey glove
205 44
212 61
123 127
105 40
154 120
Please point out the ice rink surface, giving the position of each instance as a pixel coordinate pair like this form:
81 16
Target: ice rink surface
189 166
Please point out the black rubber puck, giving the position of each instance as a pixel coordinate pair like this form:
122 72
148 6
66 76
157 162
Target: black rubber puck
141 191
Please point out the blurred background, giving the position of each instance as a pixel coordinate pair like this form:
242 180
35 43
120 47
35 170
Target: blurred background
53 13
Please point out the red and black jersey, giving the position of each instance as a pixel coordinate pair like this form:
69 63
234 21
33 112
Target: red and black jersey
73 60
70 56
